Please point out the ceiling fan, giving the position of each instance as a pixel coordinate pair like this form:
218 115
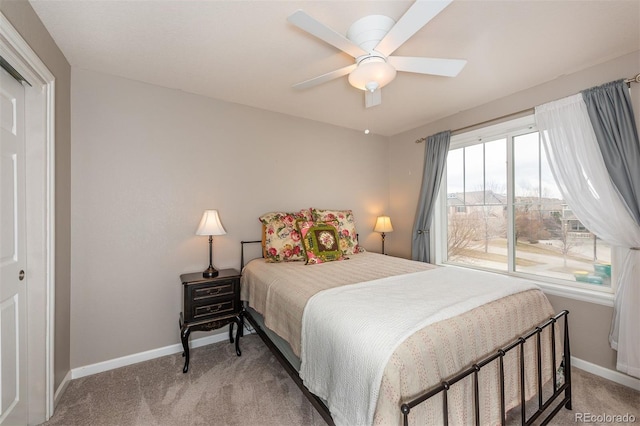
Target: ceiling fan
371 40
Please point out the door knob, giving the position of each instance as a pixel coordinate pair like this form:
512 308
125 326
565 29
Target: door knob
21 275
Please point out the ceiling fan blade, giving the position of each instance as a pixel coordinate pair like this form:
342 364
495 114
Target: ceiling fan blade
325 77
434 66
416 17
316 28
372 99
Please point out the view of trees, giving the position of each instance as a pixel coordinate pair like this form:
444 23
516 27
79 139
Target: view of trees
462 233
473 227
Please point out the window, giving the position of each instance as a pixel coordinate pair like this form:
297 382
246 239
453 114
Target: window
501 210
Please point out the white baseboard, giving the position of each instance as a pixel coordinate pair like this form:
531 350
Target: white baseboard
100 367
614 376
61 389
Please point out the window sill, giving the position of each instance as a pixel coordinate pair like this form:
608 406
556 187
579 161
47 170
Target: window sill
562 290
576 293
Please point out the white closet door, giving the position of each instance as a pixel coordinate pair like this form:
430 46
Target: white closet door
13 268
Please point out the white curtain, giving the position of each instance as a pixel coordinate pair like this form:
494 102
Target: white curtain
578 167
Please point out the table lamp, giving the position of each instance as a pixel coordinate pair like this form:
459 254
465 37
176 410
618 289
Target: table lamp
210 225
383 224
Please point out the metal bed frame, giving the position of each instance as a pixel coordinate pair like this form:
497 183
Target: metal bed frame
443 388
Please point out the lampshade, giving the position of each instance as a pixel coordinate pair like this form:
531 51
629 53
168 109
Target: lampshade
210 224
383 224
372 73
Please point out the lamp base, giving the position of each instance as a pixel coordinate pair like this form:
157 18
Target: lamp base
210 272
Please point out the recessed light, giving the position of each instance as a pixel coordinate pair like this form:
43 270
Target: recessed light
366 131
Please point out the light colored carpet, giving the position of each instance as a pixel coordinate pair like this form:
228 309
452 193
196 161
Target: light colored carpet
219 389
223 389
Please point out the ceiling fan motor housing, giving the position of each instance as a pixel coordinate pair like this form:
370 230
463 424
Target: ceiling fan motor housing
368 31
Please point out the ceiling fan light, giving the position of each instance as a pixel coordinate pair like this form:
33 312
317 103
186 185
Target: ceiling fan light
379 72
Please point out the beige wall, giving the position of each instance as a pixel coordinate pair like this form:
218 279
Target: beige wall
147 161
589 322
27 23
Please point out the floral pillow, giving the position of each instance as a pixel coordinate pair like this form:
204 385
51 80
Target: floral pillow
281 237
346 227
320 241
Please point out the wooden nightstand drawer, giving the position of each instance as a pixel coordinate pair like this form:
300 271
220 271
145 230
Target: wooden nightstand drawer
214 309
212 290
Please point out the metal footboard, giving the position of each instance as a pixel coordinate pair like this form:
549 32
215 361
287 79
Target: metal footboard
499 357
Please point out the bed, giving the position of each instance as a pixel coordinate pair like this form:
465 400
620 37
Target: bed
375 339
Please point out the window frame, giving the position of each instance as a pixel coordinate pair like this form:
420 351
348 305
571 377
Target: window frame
438 230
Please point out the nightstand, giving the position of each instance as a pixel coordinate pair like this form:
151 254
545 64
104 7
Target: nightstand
209 304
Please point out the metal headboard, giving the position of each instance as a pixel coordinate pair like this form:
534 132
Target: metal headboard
242 251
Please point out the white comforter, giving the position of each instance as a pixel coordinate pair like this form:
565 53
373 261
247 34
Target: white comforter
350 332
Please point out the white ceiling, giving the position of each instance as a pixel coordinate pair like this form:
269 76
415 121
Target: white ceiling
246 52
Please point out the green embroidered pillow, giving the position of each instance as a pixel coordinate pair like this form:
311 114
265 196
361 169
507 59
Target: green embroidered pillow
346 228
320 241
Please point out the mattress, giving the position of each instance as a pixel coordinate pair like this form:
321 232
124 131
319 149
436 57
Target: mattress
280 291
